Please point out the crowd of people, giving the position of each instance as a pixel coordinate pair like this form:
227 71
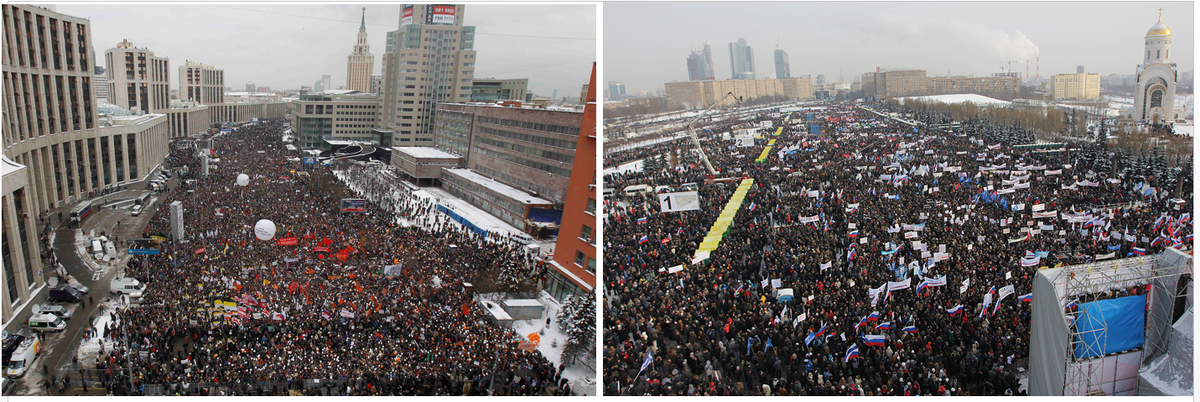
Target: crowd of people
835 216
359 305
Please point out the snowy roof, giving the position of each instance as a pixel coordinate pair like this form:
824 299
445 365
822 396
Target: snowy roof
8 166
523 303
959 98
108 109
424 152
501 188
496 311
341 91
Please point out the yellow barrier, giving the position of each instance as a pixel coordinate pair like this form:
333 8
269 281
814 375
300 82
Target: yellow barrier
725 220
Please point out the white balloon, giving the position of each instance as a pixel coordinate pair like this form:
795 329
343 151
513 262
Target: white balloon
264 229
243 180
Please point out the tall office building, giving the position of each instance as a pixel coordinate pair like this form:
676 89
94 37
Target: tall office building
376 83
741 60
820 79
250 87
56 148
782 66
201 83
700 65
360 63
1079 70
137 80
431 59
616 90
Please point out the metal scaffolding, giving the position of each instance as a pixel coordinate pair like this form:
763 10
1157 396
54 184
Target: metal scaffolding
1093 373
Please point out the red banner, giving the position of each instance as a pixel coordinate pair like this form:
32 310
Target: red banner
200 250
321 249
287 241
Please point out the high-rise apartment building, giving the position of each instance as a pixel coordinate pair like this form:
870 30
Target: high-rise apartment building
360 63
201 83
783 68
431 60
741 60
250 87
137 80
700 65
1078 86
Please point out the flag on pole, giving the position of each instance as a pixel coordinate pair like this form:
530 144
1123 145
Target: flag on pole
641 220
884 326
646 363
874 340
912 329
1026 297
955 310
851 353
874 316
644 239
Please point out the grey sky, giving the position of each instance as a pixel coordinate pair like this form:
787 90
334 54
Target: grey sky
292 45
646 44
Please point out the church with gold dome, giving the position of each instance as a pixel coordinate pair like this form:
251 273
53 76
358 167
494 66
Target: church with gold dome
1154 94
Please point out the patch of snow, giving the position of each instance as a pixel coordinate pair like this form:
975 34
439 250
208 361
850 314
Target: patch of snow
635 166
959 98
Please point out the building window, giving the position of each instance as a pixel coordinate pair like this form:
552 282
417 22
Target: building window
579 258
591 266
591 206
586 234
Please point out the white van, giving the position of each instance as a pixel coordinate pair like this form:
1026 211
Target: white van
636 189
128 286
57 310
689 187
22 358
46 323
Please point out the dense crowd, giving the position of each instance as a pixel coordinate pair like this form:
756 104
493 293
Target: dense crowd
834 216
362 304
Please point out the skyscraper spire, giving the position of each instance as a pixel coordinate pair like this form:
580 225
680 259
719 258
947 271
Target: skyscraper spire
364 19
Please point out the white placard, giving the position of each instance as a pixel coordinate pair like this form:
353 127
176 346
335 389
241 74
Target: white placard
675 202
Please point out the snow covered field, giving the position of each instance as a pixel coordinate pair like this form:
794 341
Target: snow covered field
635 166
959 98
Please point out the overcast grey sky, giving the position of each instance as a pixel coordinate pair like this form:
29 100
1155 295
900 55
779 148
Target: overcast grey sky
292 45
647 44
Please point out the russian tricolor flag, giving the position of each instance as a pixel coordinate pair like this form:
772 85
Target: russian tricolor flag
884 326
1026 297
851 353
874 316
854 234
822 331
644 240
753 205
911 329
1139 251
957 309
874 340
861 323
641 220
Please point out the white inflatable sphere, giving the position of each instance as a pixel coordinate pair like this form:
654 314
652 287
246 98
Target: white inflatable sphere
264 230
243 180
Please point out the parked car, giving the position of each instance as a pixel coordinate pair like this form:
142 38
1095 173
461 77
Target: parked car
46 323
57 310
127 286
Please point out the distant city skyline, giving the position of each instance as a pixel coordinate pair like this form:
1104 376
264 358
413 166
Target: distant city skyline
846 40
289 46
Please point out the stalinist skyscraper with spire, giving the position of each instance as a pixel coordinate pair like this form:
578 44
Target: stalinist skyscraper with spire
361 62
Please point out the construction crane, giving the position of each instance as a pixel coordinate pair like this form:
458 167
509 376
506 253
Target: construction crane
712 173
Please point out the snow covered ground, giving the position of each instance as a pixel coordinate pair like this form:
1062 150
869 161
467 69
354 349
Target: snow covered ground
582 379
959 98
88 350
635 166
83 247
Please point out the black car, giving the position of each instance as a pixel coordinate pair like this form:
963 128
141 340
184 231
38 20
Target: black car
65 293
11 341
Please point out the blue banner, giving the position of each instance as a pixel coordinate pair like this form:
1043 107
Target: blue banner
309 160
143 251
1110 326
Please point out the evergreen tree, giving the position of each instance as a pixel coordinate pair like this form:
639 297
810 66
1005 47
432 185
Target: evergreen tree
581 332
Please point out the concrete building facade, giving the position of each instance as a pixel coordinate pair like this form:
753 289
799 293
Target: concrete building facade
185 120
701 94
575 255
137 79
491 89
334 115
360 63
101 84
1078 86
901 83
532 149
431 60
424 164
201 83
